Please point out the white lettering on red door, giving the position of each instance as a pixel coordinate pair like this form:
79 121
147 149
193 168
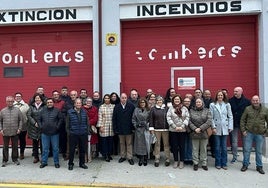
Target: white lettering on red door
186 52
47 57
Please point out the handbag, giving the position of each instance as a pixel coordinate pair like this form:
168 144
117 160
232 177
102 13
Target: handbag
209 131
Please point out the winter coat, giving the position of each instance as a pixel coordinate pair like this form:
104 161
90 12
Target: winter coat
140 120
33 116
77 123
10 121
24 107
175 121
50 121
200 118
255 120
158 118
238 107
105 116
92 114
222 118
122 119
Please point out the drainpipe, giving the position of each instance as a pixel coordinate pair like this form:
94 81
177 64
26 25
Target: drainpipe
100 43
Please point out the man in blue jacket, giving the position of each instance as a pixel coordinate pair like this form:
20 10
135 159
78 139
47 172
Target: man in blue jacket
77 128
50 122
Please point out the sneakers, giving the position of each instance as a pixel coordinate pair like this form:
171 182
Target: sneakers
181 165
175 165
260 170
244 168
233 160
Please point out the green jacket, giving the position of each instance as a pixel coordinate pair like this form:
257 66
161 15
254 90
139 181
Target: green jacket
254 120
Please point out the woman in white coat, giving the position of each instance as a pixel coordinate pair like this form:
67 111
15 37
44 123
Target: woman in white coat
222 124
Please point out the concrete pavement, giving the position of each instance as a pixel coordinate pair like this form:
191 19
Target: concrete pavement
113 174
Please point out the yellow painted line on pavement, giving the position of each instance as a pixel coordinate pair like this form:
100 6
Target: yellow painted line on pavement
104 185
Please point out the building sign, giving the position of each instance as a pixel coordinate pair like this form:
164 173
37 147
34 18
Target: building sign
197 8
44 15
32 57
186 83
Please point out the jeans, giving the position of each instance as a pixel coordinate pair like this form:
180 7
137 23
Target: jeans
248 140
46 140
188 148
221 150
234 141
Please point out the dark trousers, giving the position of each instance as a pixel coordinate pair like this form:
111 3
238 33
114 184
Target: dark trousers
14 144
177 143
107 145
22 139
81 141
36 144
115 144
63 141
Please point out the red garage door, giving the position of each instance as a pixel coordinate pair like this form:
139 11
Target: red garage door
212 53
48 55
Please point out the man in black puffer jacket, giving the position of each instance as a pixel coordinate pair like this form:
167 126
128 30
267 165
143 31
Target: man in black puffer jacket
50 122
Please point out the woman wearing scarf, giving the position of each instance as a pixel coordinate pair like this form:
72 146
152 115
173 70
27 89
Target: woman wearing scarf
178 119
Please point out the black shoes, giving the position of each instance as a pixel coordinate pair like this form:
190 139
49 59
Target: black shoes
205 168
121 159
83 166
70 167
195 167
131 162
107 159
156 164
260 170
167 163
140 162
244 168
145 162
57 166
43 165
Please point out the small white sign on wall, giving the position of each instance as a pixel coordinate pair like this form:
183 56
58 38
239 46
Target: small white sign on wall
186 83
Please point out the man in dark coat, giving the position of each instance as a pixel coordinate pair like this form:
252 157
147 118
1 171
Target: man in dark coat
238 104
50 122
122 124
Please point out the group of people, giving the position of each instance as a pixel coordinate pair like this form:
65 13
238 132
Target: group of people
135 126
